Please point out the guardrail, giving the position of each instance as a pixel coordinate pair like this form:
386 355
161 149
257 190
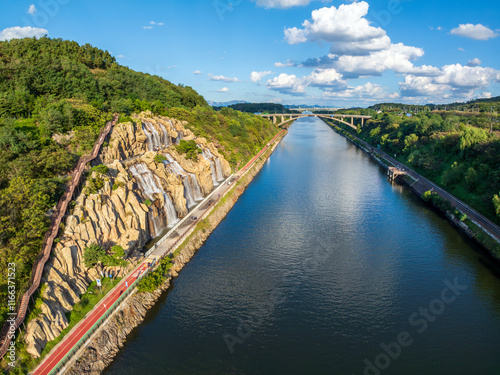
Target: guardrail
97 324
48 241
67 358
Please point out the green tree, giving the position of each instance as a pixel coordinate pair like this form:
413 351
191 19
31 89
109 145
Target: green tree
496 204
93 254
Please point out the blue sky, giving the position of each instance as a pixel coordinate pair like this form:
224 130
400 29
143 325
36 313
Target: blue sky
335 53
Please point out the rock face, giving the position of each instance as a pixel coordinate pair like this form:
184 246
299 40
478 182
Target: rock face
100 351
141 194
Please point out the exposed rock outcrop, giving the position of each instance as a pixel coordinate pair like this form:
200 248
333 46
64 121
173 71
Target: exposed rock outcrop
136 199
100 351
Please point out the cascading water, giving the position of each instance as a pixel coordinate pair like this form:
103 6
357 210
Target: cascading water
165 138
196 187
155 137
207 155
149 138
218 169
192 191
150 185
215 165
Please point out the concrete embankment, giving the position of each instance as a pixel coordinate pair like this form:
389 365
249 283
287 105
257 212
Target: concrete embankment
106 343
471 227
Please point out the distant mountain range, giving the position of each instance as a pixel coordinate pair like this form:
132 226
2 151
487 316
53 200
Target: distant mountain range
225 104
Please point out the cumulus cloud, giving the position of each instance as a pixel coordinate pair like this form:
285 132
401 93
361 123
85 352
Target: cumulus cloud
477 32
287 63
223 78
224 89
325 78
283 4
18 32
343 25
368 91
257 76
196 72
456 80
32 9
287 84
474 62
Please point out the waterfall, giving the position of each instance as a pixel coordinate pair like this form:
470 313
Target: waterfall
179 137
215 165
207 155
154 135
196 187
165 138
192 191
179 133
149 138
218 169
150 185
170 210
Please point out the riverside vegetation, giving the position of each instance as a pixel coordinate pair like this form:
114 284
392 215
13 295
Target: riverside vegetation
458 150
55 96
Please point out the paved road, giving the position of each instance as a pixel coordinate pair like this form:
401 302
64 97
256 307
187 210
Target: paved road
469 211
167 245
81 329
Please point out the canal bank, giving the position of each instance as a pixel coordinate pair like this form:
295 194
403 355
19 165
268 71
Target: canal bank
476 227
100 350
319 263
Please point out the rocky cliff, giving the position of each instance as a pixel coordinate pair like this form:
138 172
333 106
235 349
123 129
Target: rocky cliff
147 187
102 348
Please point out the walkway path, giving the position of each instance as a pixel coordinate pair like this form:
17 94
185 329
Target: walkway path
166 245
57 216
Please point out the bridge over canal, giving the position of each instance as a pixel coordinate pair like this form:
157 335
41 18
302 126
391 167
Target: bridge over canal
284 118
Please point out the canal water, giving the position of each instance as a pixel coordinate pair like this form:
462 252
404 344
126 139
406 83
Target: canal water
325 267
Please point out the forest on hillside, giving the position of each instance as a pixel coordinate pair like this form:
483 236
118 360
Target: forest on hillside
55 96
458 152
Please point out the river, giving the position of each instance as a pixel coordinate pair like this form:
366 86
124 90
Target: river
325 267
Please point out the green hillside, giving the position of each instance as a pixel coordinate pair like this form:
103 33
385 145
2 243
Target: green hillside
55 96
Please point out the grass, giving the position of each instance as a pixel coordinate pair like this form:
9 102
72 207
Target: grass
86 304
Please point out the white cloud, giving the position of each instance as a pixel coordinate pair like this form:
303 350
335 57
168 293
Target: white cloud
32 9
474 62
287 63
477 32
152 22
461 49
18 32
287 84
485 95
224 89
453 80
222 78
160 23
283 4
120 56
344 25
147 27
196 72
397 58
368 91
467 77
325 78
257 76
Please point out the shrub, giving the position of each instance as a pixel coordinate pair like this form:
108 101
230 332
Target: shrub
93 254
189 148
101 169
160 159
